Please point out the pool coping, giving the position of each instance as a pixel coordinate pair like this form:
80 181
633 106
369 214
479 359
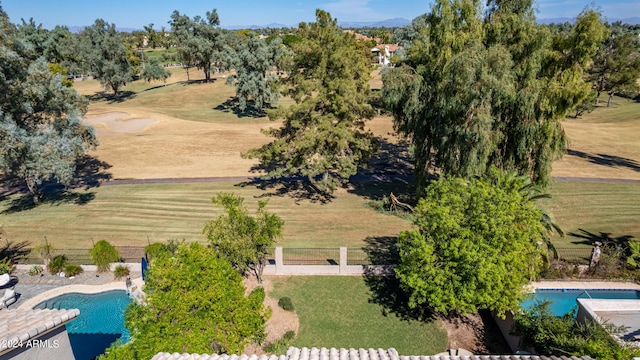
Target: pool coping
78 288
581 285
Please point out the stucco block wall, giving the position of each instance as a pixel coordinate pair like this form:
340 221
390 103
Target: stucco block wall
53 345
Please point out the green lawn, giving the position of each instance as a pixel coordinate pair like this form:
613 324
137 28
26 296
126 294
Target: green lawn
336 312
159 52
596 207
131 214
135 214
621 110
181 98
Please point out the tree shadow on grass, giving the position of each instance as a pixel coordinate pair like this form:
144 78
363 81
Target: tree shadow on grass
607 160
390 170
382 250
111 98
91 172
157 87
233 105
297 188
385 289
606 239
56 197
13 250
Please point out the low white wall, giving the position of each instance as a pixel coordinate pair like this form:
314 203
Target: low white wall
353 270
279 268
505 327
132 267
53 345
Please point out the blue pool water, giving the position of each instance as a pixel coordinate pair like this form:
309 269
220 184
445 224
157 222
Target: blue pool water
100 323
565 300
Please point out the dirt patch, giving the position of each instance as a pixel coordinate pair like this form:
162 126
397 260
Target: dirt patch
477 333
280 321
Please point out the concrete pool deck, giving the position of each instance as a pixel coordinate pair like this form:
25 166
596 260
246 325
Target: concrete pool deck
32 290
78 288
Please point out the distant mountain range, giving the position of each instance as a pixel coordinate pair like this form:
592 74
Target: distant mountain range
400 22
397 22
631 20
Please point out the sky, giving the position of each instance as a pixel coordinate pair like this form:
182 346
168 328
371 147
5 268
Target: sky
137 13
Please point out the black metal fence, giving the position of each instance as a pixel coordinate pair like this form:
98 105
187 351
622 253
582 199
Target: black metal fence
359 256
310 256
291 256
578 256
326 256
129 254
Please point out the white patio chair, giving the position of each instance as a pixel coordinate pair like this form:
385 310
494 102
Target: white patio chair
5 279
8 298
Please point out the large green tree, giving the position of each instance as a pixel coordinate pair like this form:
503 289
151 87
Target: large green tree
153 70
152 36
200 42
256 64
33 34
489 88
104 56
195 303
617 65
476 244
241 238
41 134
323 136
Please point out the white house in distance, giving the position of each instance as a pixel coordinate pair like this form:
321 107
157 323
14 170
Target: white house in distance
385 52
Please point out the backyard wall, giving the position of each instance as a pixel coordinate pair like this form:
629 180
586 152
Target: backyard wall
53 345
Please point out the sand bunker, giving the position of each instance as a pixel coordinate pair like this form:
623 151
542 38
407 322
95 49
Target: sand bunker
118 122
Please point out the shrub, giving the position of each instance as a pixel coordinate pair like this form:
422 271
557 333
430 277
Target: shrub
281 345
44 250
559 269
286 304
155 249
35 270
6 267
57 264
13 251
548 334
121 271
72 270
611 264
103 254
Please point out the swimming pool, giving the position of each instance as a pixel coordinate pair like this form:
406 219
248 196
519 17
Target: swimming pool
100 323
565 300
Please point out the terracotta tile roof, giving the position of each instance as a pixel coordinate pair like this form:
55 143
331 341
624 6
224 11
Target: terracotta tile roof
176 356
392 47
21 325
354 354
362 37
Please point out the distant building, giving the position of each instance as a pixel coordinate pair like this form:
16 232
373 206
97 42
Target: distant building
385 52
